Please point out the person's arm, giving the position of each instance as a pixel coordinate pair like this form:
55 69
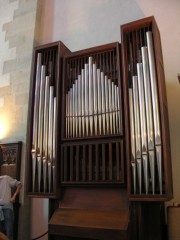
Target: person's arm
18 188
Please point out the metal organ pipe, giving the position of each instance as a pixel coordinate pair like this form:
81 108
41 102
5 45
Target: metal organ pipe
40 126
146 120
35 118
94 103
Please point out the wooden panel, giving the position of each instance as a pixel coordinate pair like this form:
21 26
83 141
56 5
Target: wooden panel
94 224
94 213
93 163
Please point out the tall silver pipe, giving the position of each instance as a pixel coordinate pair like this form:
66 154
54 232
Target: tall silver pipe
70 112
133 159
86 99
91 100
40 126
76 107
136 116
132 128
73 111
148 101
103 101
107 104
113 108
119 110
54 129
35 117
110 106
83 101
99 100
153 78
41 110
45 132
66 132
95 97
50 134
54 143
46 118
79 104
142 108
137 130
36 101
116 109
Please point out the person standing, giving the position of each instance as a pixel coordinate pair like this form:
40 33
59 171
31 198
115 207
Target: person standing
7 183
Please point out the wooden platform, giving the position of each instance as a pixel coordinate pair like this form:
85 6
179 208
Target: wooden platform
93 224
91 213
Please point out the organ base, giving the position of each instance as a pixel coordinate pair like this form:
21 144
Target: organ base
91 213
105 214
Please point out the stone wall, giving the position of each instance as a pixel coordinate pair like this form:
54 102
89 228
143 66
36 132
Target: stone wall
17 34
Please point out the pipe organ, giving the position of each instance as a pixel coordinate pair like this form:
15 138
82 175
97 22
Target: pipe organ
99 120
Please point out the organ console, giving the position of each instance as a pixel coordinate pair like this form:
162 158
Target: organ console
99 127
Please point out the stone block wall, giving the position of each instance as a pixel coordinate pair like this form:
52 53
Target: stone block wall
17 34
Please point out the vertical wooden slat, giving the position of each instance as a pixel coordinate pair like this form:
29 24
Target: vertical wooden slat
117 162
65 163
77 163
84 164
110 162
97 162
71 163
103 163
122 161
90 162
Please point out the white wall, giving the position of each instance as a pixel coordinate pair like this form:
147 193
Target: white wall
81 24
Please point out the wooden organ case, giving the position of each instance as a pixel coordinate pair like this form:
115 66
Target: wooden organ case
99 139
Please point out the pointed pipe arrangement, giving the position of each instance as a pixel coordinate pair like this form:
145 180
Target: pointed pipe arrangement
92 104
